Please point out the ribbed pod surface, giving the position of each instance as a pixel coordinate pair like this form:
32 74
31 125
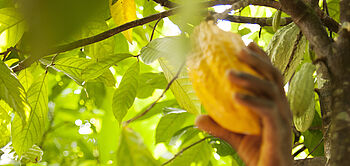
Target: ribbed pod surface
214 53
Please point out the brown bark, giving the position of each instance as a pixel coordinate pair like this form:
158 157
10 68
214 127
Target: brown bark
318 161
334 73
340 126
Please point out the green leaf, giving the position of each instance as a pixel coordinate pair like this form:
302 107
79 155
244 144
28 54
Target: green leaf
170 47
148 82
236 160
12 35
11 27
185 134
5 120
9 17
5 3
170 52
132 151
181 87
189 16
94 70
100 49
122 46
25 77
25 137
334 10
33 155
12 92
198 154
149 8
74 66
158 108
96 92
124 96
107 78
222 147
169 124
244 31
311 140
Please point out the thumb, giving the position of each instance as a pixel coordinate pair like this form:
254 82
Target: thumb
207 124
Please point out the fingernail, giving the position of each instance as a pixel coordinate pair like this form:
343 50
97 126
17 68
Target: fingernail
244 52
243 96
231 72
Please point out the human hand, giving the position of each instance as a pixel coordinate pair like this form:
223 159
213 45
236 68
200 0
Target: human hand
273 146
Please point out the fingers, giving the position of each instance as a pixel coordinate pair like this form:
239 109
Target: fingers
253 84
264 108
254 47
207 124
260 64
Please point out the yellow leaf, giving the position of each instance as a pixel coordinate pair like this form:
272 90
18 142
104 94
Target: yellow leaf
123 11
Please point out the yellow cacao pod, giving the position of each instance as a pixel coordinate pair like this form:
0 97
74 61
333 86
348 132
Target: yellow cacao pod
215 52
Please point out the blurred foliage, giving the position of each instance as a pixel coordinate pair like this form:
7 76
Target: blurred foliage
70 108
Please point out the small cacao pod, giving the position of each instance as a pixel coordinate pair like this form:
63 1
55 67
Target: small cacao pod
276 20
301 96
215 52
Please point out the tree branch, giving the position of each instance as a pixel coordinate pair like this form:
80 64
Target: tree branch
104 35
326 20
90 40
344 11
310 24
317 161
340 126
262 21
166 3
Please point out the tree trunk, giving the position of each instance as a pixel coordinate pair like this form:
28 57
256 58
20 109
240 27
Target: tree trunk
340 118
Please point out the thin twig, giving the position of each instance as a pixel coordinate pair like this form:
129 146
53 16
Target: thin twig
319 143
166 3
156 101
154 28
262 21
234 6
5 53
184 149
52 63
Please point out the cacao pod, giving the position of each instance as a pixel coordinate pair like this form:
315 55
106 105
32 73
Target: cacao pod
301 96
215 52
303 122
276 20
280 50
